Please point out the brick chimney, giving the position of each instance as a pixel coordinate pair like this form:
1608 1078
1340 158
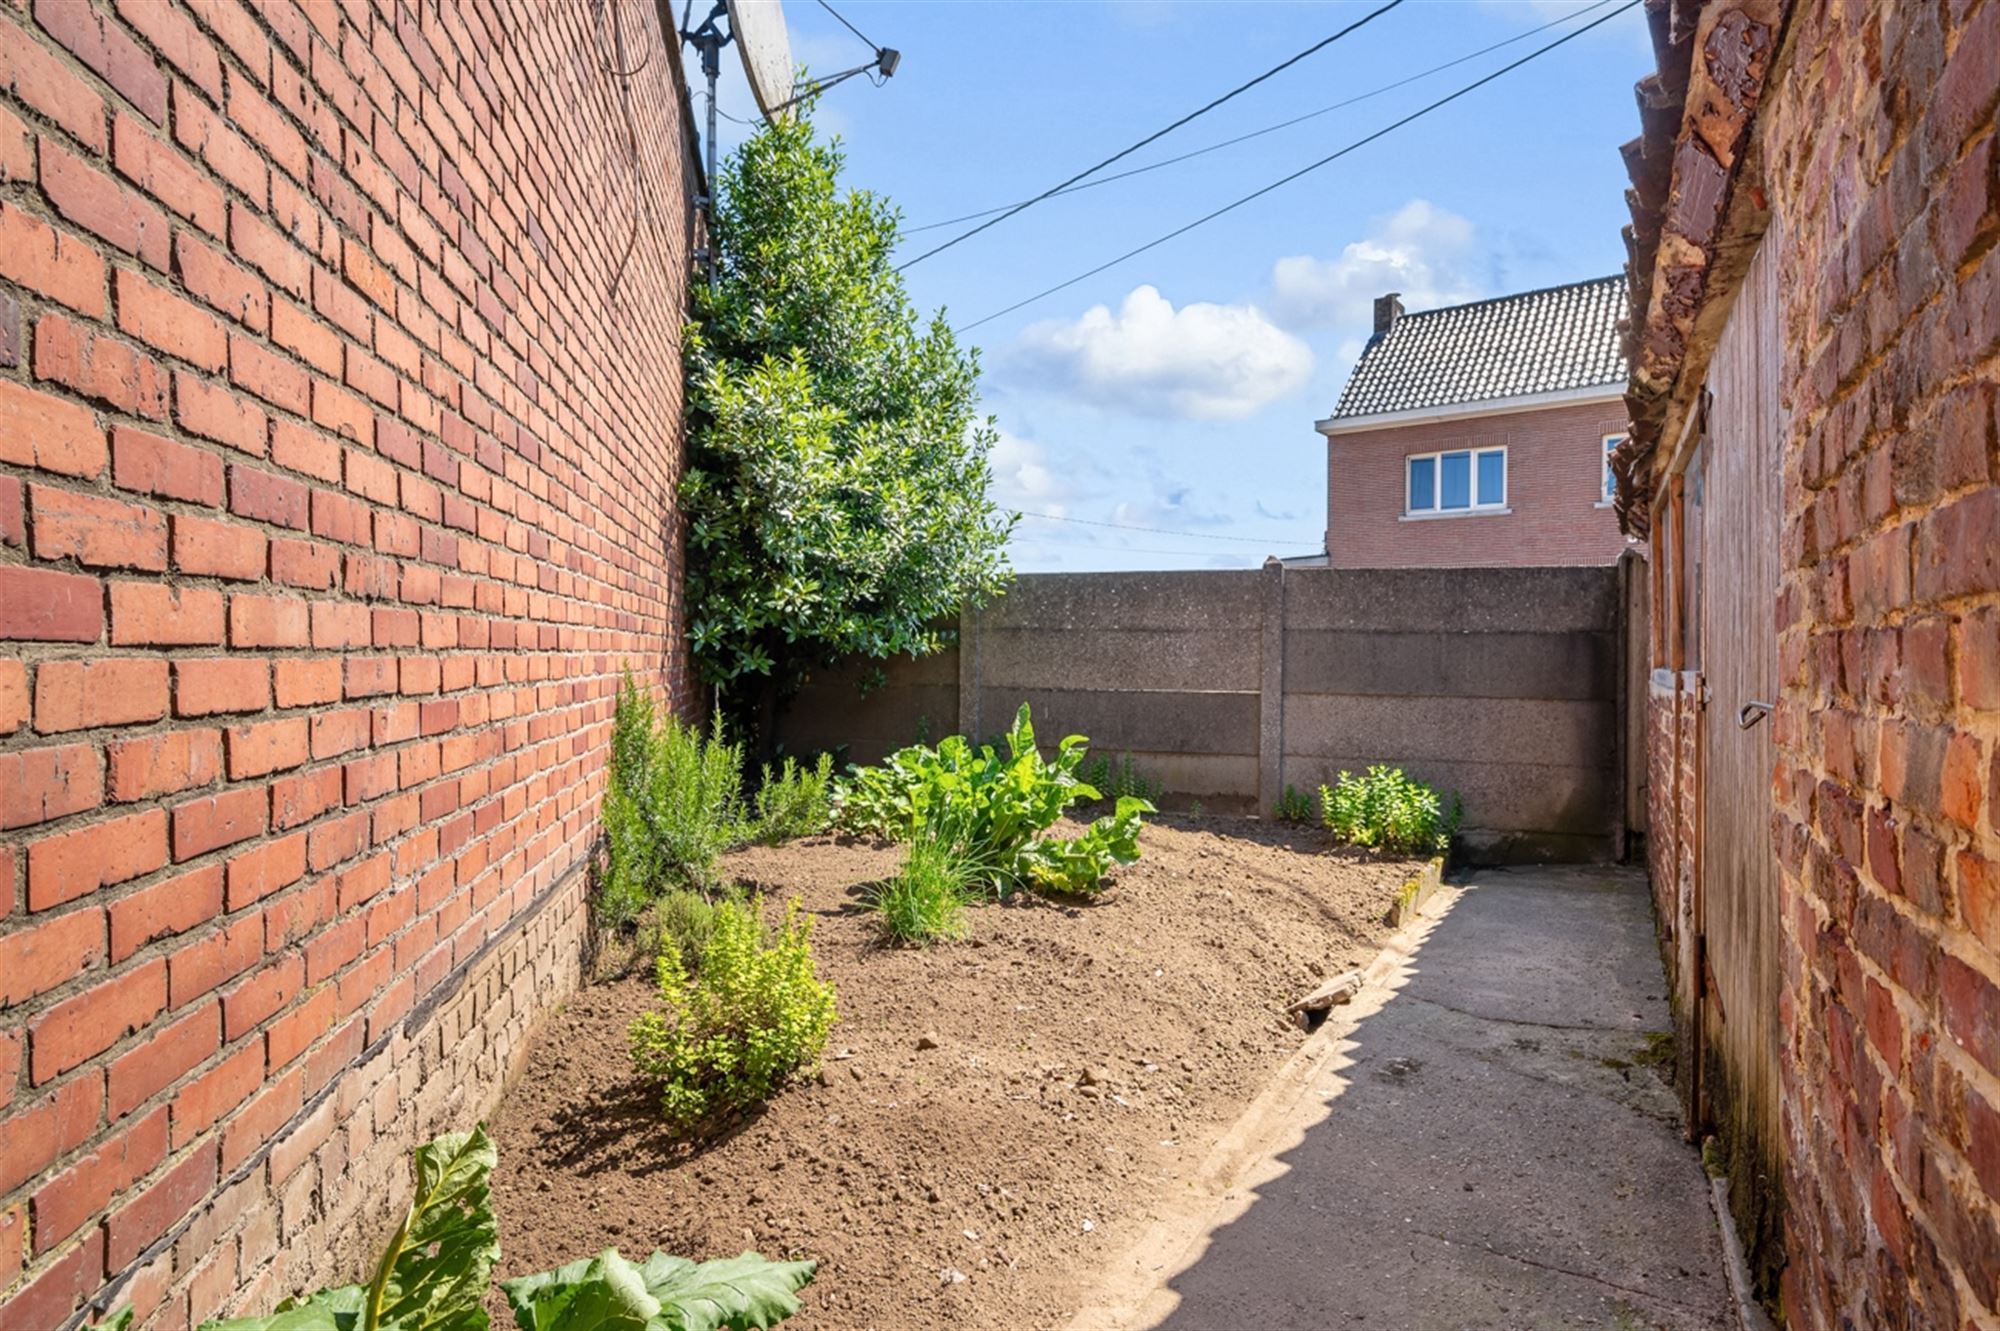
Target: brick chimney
1388 309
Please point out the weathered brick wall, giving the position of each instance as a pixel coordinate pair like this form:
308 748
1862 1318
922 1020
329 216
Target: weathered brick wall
1555 494
1882 173
339 364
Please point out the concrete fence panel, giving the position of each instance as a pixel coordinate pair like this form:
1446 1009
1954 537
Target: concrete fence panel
1500 686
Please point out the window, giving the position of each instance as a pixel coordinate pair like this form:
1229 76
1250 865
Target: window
1462 481
1611 441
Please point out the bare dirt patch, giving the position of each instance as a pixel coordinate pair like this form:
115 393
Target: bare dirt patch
995 1119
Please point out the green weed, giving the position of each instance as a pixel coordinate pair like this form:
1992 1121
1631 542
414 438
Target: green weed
1386 810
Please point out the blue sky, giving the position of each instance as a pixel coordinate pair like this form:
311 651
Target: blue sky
1177 391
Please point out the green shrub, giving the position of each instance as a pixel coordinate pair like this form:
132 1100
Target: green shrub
672 805
796 802
1119 780
1386 810
1079 865
436 1271
683 919
925 902
991 809
1293 806
753 1014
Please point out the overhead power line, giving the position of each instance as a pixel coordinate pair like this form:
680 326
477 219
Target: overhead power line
1122 153
1265 541
1341 105
1308 169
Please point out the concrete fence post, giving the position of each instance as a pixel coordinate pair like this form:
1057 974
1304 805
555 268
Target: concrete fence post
968 673
1271 705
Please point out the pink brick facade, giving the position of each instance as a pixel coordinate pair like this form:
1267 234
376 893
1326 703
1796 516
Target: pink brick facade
339 409
1555 479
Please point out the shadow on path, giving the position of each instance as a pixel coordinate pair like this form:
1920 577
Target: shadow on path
1492 1151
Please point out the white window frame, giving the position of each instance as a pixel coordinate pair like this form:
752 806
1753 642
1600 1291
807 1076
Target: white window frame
1473 453
1609 483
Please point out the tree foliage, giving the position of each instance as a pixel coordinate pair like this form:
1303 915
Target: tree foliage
835 492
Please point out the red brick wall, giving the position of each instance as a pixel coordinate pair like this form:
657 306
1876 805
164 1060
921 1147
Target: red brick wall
1555 480
1882 166
339 366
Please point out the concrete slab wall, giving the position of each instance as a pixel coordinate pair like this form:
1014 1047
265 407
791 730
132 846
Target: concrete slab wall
1501 685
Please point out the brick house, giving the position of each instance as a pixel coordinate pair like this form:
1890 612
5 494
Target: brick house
339 402
1476 435
1814 340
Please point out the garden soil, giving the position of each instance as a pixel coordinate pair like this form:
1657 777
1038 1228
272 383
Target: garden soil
995 1120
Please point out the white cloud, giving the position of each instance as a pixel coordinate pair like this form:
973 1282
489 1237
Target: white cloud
1022 478
1420 250
1200 362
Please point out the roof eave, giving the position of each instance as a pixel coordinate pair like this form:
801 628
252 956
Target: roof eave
1613 391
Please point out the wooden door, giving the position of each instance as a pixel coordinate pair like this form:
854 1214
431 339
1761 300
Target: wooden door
1735 648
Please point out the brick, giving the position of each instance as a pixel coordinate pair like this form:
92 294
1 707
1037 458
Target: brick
203 965
85 1026
218 549
148 464
259 872
80 695
99 367
59 1289
96 531
65 1202
40 79
36 1134
303 683
336 409
217 821
266 125
91 199
51 263
44 605
305 564
275 380
73 864
162 172
49 953
136 1224
199 130
41 785
304 449
14 696
149 614
105 47
270 746
221 284
269 497
298 800
179 1047
164 764
174 36
268 621
212 686
38 430
172 906
269 1112
262 995
169 324
13 516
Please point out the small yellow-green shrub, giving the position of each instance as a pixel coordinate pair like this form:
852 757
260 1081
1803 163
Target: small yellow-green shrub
752 1015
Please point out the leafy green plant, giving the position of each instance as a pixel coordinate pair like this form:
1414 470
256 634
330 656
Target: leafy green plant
683 919
1078 865
1115 781
437 1267
1293 806
752 1015
925 902
836 485
796 802
1386 810
672 805
992 808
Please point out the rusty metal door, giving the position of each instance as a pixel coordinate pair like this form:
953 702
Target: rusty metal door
1736 910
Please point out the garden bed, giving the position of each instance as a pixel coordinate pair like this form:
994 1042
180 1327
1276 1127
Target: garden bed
994 1119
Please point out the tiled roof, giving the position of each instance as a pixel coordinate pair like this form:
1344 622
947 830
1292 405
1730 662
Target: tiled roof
1535 342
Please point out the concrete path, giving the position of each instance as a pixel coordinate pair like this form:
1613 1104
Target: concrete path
1476 1146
